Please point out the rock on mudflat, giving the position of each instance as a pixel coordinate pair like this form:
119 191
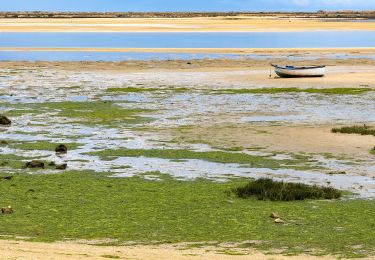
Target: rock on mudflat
4 120
7 210
61 166
279 221
34 164
61 148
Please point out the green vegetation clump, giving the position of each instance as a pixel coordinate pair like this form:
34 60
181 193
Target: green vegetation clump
357 129
267 189
327 91
41 145
87 205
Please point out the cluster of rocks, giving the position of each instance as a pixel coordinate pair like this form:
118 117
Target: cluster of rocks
61 148
40 164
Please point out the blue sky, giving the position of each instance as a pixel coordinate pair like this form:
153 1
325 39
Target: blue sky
184 5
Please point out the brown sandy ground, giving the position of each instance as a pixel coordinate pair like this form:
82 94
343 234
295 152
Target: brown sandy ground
290 139
205 24
74 250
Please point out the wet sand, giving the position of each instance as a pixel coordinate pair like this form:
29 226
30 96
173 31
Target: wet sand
227 73
216 24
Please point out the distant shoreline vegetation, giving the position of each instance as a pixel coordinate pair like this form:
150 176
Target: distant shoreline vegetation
314 15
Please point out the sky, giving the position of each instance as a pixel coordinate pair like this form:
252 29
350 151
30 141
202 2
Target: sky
184 5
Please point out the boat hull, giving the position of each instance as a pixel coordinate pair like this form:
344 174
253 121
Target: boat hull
298 72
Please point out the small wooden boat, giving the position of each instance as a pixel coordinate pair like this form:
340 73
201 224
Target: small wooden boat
294 72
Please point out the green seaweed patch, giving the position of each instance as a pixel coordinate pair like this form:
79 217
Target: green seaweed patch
372 151
41 145
91 206
211 156
89 112
326 91
12 161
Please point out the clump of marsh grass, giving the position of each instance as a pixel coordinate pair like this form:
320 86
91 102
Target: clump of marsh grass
267 189
356 129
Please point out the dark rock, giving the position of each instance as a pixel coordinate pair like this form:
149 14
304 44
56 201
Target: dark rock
61 149
61 166
7 178
4 120
34 164
3 142
7 210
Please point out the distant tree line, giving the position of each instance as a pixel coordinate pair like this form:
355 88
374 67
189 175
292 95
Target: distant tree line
319 14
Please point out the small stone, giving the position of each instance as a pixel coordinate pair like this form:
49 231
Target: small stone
61 148
274 215
61 166
279 221
3 142
34 164
4 120
6 178
7 210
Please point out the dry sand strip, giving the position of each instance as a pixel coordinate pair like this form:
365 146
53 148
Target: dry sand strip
73 250
206 24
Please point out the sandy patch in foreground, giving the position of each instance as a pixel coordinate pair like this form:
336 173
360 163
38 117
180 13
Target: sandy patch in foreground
72 250
216 24
294 139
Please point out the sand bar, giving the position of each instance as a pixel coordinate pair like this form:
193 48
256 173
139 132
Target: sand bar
265 51
215 24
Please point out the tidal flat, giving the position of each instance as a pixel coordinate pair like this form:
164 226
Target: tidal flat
158 146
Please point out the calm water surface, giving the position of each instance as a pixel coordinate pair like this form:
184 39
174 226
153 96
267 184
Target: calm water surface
191 40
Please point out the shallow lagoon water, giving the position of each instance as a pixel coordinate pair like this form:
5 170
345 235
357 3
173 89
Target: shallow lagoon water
314 39
155 56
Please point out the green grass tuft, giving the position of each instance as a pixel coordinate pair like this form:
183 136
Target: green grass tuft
357 129
267 189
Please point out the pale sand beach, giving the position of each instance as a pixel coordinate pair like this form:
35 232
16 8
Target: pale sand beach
75 250
215 24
